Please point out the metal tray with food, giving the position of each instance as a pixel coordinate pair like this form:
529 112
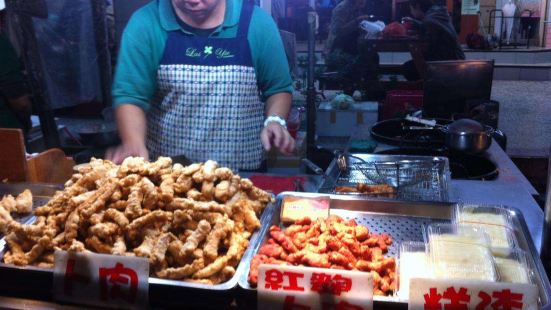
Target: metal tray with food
400 177
17 200
195 224
402 221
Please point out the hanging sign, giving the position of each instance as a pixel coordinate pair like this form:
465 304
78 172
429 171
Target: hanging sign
305 288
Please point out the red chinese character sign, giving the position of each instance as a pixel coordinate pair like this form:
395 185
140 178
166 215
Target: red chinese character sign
432 294
305 288
101 280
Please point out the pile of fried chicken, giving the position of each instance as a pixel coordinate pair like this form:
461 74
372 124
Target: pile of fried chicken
331 243
192 223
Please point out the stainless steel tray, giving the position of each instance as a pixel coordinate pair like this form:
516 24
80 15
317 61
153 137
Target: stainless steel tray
42 192
161 291
432 185
403 221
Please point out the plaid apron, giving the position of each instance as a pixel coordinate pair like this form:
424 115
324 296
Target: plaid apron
207 105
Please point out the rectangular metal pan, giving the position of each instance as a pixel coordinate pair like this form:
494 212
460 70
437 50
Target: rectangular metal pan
403 221
33 282
433 185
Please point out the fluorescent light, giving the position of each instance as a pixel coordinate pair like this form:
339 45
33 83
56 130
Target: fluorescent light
2 4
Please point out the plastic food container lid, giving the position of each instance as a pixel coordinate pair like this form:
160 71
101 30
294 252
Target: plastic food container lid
514 268
460 252
483 214
413 262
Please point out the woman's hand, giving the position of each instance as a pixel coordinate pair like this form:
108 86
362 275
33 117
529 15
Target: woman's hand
276 135
118 153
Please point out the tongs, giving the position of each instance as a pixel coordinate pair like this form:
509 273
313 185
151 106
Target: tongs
429 123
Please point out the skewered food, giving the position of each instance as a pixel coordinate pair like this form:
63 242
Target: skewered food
362 188
330 243
180 218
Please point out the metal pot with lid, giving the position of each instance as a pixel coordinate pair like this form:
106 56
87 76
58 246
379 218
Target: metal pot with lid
465 135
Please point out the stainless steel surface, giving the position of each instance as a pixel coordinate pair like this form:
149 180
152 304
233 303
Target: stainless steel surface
432 187
226 286
403 221
546 238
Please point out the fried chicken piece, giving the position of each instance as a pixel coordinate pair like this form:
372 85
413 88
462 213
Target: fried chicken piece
176 250
157 167
24 202
166 190
193 241
190 204
96 218
71 226
149 192
207 190
135 198
191 169
161 246
154 217
8 202
244 213
315 260
224 275
361 232
181 272
97 245
120 205
5 219
183 184
104 193
223 173
28 231
146 248
104 230
37 250
208 171
116 216
235 251
131 165
195 195
283 240
77 246
272 250
341 260
218 232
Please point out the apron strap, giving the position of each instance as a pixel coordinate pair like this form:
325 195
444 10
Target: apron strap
247 9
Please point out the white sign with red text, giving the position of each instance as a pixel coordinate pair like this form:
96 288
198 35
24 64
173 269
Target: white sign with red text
305 288
437 294
101 280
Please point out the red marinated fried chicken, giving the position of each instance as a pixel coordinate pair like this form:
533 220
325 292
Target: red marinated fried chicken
332 243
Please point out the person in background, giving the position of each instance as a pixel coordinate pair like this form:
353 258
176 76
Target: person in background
207 79
433 24
345 50
15 105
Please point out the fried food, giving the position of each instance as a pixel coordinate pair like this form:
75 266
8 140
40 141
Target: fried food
191 223
362 188
330 243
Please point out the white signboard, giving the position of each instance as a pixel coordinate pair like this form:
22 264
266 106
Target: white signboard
101 280
470 7
305 288
432 294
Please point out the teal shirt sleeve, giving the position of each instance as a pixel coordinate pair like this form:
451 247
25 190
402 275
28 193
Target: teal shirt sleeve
268 53
142 45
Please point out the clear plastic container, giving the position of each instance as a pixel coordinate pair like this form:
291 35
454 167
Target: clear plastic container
460 252
494 220
413 262
514 268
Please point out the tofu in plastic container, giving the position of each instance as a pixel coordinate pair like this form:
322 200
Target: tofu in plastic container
494 220
460 252
514 268
413 262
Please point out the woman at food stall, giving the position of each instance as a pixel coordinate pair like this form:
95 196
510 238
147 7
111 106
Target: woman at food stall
434 25
191 79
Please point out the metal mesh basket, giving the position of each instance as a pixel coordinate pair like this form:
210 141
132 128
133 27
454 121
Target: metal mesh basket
416 178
